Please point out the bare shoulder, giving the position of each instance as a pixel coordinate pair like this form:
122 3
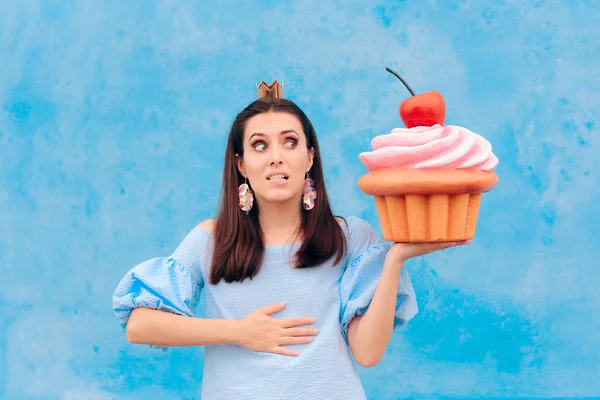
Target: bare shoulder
208 225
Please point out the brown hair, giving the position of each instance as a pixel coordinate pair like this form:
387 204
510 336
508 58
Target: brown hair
238 238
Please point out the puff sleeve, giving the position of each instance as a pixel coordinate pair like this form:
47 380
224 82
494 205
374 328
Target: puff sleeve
172 283
365 259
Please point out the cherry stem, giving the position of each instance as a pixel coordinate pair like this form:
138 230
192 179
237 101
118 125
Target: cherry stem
402 80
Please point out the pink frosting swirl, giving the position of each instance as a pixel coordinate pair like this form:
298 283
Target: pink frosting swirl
428 147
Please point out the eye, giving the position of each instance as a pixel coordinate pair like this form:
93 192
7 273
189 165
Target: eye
291 143
259 146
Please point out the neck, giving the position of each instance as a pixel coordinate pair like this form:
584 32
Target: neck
280 222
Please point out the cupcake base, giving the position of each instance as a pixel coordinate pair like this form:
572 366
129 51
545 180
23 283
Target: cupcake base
427 205
428 218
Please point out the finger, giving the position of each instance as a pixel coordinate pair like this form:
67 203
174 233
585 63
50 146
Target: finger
458 243
447 245
271 309
431 247
289 322
301 331
285 352
295 340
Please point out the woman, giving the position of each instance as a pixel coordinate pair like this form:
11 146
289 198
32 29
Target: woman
292 293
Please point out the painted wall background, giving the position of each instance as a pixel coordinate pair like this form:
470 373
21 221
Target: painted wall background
113 122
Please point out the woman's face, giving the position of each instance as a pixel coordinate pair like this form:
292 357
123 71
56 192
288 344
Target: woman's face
276 158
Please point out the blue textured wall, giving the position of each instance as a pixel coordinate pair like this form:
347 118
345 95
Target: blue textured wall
113 122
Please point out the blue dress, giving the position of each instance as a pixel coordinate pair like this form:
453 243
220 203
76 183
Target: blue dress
332 295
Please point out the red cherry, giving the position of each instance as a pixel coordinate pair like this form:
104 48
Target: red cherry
425 109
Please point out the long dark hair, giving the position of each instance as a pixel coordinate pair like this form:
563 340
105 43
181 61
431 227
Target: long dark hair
238 238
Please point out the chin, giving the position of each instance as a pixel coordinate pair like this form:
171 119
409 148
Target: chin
279 196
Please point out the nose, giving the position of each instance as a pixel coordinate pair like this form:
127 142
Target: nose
276 157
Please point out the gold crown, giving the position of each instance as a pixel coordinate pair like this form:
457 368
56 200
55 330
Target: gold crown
274 90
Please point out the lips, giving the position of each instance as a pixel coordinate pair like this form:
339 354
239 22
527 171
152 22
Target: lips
277 176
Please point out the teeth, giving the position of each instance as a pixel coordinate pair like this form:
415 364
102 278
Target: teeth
277 177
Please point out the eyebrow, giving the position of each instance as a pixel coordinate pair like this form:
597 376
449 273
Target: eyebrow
281 133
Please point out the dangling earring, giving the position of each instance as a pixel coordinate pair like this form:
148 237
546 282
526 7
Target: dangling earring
309 193
246 197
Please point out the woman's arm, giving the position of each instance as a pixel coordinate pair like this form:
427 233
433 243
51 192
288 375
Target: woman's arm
258 331
162 328
369 334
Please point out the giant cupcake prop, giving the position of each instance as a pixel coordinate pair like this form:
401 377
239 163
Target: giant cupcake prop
427 179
